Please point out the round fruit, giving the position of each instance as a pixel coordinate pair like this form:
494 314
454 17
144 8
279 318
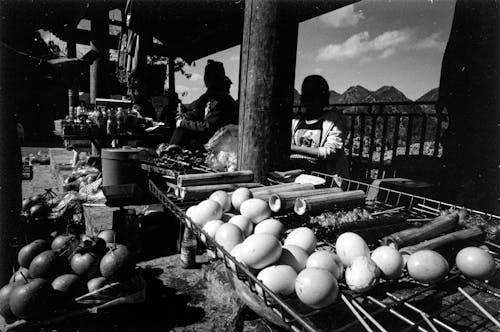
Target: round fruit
39 211
20 274
205 211
349 246
69 284
326 260
27 204
427 266
108 235
211 228
61 241
85 265
260 250
294 256
116 262
239 196
29 251
228 236
255 209
222 198
96 283
302 237
45 265
5 293
476 263
362 275
316 288
269 226
244 223
280 279
389 261
32 300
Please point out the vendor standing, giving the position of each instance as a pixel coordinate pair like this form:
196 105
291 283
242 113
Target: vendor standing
318 132
213 110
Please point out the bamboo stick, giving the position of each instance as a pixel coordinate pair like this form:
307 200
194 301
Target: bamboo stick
284 187
284 202
478 306
466 235
200 192
199 179
322 202
415 235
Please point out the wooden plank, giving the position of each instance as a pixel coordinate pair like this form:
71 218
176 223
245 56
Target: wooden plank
214 178
98 31
362 120
351 137
268 54
438 134
372 139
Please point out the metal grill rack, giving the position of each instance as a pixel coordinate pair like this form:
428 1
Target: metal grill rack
402 305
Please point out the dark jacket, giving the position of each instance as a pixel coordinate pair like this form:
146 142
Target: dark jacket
209 113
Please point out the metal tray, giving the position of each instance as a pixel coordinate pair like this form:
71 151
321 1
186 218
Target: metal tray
439 307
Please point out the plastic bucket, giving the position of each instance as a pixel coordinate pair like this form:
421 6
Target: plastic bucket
117 167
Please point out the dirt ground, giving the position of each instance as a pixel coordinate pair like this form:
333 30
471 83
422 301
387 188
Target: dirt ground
199 299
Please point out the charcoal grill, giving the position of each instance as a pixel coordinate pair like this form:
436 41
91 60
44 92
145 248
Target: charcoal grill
402 305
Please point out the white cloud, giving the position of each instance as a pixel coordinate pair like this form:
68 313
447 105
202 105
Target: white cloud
382 46
183 90
195 77
234 58
318 70
431 42
343 17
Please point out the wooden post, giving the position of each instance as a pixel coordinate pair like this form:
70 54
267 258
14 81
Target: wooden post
73 90
267 72
10 186
99 32
172 105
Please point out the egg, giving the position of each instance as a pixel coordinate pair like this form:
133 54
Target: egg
260 250
222 198
236 253
427 266
239 196
244 223
476 263
269 226
205 211
349 246
302 237
294 256
326 260
280 279
228 236
389 261
190 212
211 228
316 288
362 274
255 209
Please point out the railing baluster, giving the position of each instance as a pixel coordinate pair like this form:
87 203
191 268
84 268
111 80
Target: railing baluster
409 134
372 140
362 119
439 117
395 138
422 134
351 137
382 148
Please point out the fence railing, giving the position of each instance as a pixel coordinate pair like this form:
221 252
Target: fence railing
380 131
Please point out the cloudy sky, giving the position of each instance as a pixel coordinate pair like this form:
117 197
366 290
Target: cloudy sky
371 43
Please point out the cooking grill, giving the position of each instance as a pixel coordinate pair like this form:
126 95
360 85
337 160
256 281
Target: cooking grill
171 168
402 305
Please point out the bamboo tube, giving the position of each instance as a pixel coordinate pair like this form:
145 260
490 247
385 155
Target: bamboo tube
321 202
282 188
199 179
200 192
463 236
415 235
284 202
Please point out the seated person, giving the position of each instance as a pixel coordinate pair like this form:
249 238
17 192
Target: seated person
144 107
213 110
318 132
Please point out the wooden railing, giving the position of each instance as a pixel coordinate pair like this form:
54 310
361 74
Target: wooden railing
380 131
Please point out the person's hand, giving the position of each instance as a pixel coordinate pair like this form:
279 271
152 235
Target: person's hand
178 122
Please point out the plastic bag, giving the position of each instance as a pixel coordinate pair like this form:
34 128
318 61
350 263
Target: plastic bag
223 149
